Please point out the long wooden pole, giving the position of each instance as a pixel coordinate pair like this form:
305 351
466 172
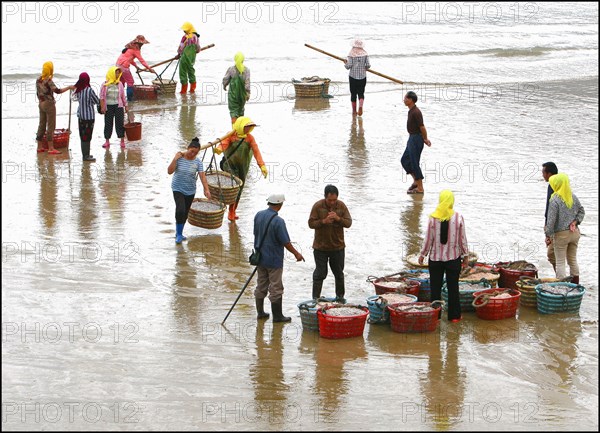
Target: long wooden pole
206 146
238 298
174 58
344 60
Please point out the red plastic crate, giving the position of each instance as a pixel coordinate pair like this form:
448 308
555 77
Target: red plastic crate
418 321
496 309
336 327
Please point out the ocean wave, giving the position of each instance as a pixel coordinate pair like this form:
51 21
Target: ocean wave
493 52
29 76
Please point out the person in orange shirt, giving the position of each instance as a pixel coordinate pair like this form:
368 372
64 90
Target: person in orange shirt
238 150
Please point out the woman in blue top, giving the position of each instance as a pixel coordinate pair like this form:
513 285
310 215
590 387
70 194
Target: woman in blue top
184 168
86 113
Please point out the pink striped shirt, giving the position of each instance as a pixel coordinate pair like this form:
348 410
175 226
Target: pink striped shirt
457 240
127 58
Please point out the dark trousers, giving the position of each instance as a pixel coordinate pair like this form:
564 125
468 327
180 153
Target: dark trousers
357 87
86 128
183 203
411 158
436 278
336 263
113 112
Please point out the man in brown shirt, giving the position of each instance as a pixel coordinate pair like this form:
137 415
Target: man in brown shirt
411 158
329 217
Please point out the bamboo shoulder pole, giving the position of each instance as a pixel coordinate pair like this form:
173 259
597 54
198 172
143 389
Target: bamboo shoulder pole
344 60
174 58
207 145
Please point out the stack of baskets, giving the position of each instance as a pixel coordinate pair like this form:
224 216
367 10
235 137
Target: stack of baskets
480 272
526 285
465 292
342 326
166 87
422 276
378 312
489 306
313 87
205 213
308 312
567 300
510 272
402 320
223 186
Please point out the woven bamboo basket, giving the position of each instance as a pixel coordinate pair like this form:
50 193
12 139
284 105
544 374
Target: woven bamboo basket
229 186
166 86
312 89
207 219
526 285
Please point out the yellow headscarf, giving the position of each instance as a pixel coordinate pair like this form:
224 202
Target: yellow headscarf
112 77
239 62
239 125
562 188
444 210
189 29
47 70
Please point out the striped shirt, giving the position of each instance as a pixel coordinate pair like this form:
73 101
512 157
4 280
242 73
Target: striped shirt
358 67
184 177
87 103
560 216
457 240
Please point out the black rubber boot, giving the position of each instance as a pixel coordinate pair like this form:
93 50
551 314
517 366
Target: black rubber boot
85 151
575 279
260 309
277 313
316 289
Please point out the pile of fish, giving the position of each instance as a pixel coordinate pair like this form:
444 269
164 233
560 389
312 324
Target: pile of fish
344 311
394 284
395 298
205 206
214 179
409 308
468 287
519 265
560 289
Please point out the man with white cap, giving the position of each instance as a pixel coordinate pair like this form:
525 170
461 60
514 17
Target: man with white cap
270 238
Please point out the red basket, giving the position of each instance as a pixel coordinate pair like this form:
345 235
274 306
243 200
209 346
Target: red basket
413 286
496 309
60 139
337 327
509 277
145 92
418 321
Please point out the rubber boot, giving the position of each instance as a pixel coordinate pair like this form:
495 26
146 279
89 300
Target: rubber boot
575 279
277 313
260 309
316 289
354 108
178 233
183 89
106 144
85 151
122 142
129 93
232 216
192 87
360 105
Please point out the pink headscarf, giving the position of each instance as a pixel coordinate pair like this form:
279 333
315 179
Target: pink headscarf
357 49
83 82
